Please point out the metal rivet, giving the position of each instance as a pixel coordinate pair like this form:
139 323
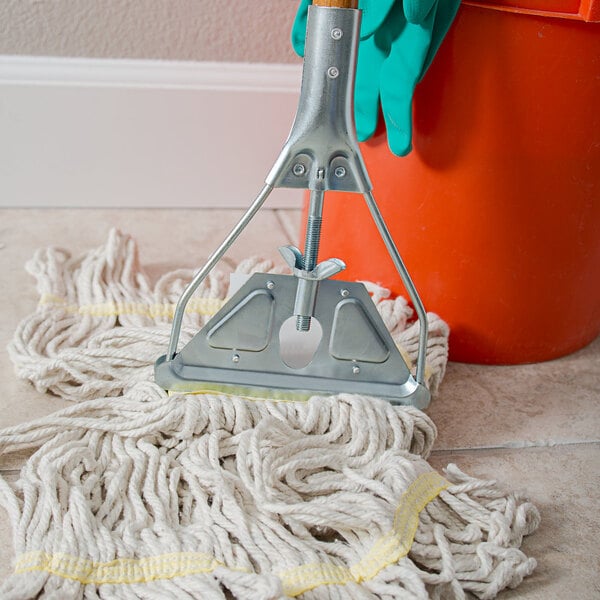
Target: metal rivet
344 293
356 369
299 169
340 172
333 72
270 285
336 33
235 358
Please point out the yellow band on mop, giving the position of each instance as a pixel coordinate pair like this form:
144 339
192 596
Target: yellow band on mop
386 551
200 306
296 580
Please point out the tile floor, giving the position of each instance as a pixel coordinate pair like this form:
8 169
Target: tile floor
535 428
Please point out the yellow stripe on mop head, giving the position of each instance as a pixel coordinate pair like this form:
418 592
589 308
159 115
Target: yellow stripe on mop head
386 551
197 306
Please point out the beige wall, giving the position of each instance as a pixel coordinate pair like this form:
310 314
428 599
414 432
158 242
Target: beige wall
200 30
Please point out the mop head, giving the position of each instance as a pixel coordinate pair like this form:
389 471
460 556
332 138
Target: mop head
137 494
100 324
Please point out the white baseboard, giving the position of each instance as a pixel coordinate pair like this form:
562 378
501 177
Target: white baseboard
138 133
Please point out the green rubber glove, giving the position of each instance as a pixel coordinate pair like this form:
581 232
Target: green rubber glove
398 40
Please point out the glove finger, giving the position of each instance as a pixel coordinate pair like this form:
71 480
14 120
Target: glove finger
445 13
299 27
397 113
374 13
366 91
399 75
416 11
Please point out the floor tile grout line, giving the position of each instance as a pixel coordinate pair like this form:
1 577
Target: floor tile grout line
439 451
291 235
10 471
463 449
516 446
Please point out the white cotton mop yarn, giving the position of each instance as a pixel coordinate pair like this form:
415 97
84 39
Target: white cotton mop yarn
151 496
135 494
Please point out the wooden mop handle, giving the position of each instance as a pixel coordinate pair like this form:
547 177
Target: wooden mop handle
337 3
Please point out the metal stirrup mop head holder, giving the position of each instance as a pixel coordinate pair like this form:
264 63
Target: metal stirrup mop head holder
239 349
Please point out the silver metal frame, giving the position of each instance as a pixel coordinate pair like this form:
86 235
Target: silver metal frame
320 154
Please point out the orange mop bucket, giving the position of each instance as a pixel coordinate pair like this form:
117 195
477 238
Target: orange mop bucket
496 211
